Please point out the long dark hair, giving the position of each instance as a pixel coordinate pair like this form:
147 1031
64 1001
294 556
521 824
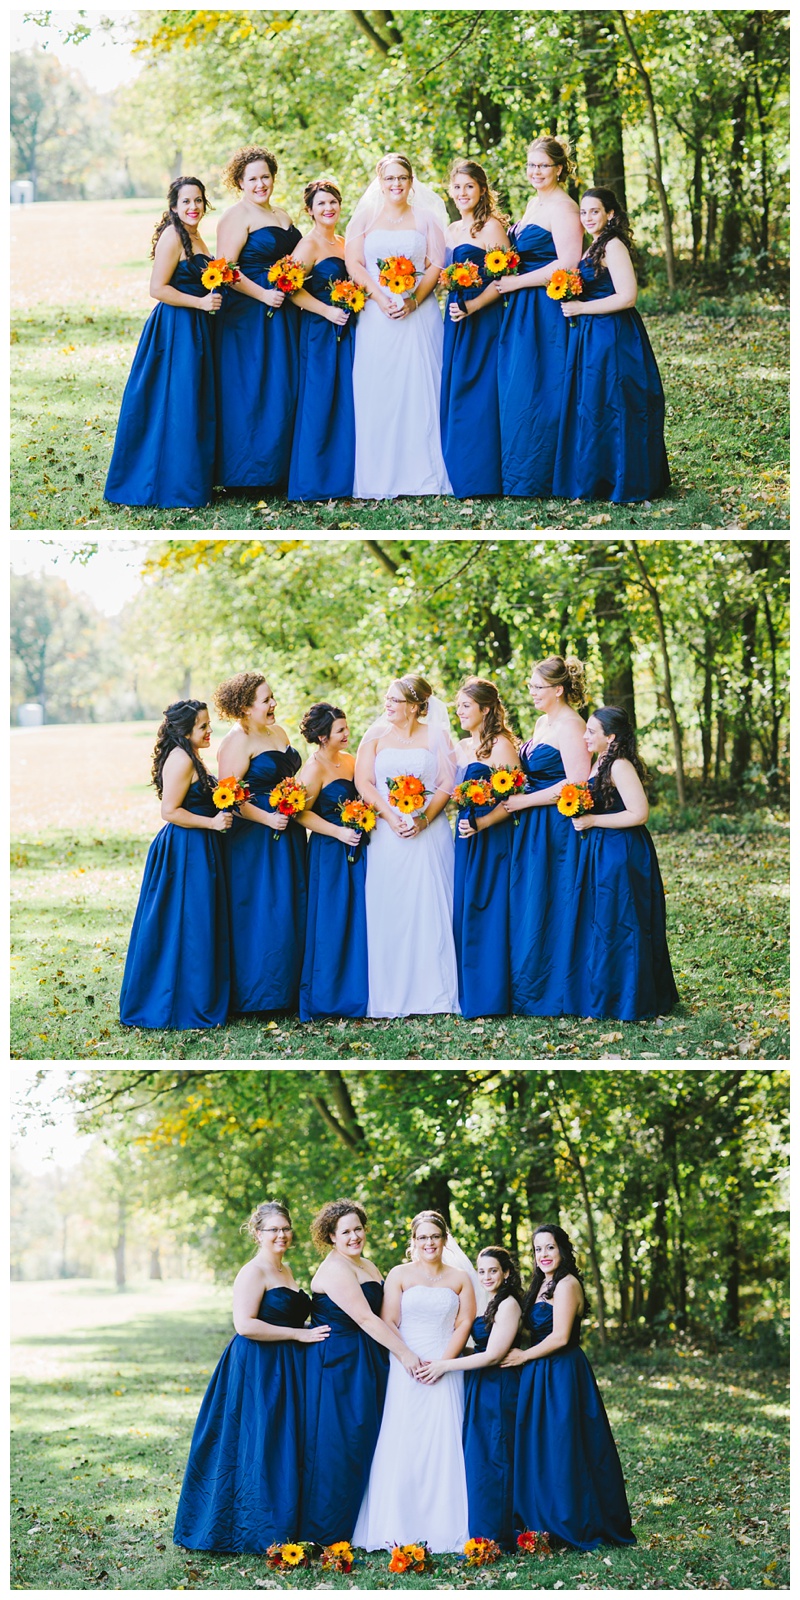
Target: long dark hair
617 227
567 1267
616 726
170 217
511 1287
488 204
178 722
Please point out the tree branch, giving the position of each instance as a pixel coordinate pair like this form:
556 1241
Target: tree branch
381 557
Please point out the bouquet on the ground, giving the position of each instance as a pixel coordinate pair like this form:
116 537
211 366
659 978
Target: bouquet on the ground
460 275
287 1557
407 793
346 292
501 264
508 780
337 1557
566 285
230 792
357 814
534 1543
575 800
410 1558
288 797
397 274
481 1552
288 275
218 273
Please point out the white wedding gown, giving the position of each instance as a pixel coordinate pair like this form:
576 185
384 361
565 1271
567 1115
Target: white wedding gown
397 380
409 898
417 1484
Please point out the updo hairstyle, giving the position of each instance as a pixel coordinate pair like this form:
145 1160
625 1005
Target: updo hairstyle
318 721
394 155
257 1218
510 1287
233 171
485 695
325 1222
564 673
616 725
319 186
559 152
236 694
425 1216
173 734
170 217
488 204
417 692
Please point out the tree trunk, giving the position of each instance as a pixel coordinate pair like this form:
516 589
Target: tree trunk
155 1263
731 241
776 702
597 1276
742 751
707 705
733 1279
719 754
616 645
638 1292
666 215
599 65
119 1248
624 1278
675 727
712 212
62 1270
657 1294
697 203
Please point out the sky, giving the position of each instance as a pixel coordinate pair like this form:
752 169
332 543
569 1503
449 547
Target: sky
110 578
42 1147
104 62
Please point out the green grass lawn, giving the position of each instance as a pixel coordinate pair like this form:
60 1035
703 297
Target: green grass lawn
107 1386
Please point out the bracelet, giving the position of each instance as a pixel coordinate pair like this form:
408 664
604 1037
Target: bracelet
413 301
424 818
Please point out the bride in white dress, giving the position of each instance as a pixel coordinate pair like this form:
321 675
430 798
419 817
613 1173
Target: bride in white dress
397 367
417 1486
410 862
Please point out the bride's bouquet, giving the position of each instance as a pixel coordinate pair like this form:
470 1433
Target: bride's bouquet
407 793
397 274
289 797
411 1558
357 814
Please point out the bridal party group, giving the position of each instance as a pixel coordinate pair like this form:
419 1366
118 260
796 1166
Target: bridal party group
358 1416
321 366
337 887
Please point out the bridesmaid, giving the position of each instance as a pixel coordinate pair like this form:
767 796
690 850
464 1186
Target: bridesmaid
611 438
490 1399
164 448
470 404
481 905
534 335
177 966
257 338
346 1377
619 963
333 982
567 1476
266 876
241 1489
324 446
544 859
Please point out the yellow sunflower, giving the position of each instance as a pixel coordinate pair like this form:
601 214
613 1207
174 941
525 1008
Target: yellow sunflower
212 278
495 261
567 808
368 822
557 287
223 796
396 285
406 804
293 1554
502 782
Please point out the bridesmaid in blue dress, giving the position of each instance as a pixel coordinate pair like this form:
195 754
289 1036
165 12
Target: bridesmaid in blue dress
544 860
177 970
490 1399
241 1488
164 447
470 413
257 338
618 963
334 980
324 446
346 1377
567 1476
481 891
611 437
534 335
267 867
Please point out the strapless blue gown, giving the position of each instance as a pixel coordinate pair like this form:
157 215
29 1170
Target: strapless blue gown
533 351
611 429
346 1379
470 414
257 359
618 963
267 897
241 1488
324 446
334 980
490 1413
481 910
164 446
567 1475
544 863
177 970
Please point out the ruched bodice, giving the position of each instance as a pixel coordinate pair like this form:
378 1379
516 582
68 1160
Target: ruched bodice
466 252
427 1319
284 1307
597 281
264 246
533 244
382 243
325 1310
323 274
541 764
414 762
540 1322
480 1334
268 768
474 769
198 799
187 275
330 798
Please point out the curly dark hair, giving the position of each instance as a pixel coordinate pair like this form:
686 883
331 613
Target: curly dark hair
488 204
567 1268
617 227
615 724
320 186
318 721
324 1224
173 734
233 697
510 1288
233 171
170 217
495 724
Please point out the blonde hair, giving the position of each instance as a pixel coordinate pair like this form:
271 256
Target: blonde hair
394 155
416 690
257 1218
560 153
564 673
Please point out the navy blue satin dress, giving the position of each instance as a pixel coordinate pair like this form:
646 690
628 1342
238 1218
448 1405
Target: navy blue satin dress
257 372
334 980
164 446
611 431
533 353
346 1378
241 1488
567 1475
177 970
469 408
267 896
324 446
544 865
481 910
490 1414
618 963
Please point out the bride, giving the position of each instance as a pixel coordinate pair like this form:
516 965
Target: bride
417 1487
409 890
397 367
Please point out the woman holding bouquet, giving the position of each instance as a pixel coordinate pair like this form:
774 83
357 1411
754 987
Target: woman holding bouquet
472 320
177 970
397 368
324 445
266 877
164 446
333 981
618 963
257 336
611 439
481 905
534 335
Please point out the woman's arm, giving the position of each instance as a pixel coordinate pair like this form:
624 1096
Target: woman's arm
576 761
467 1312
623 277
567 1304
354 262
311 776
177 777
502 1336
346 1292
365 784
232 235
627 782
248 1291
168 254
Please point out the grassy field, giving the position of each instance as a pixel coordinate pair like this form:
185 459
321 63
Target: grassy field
77 313
106 1388
76 872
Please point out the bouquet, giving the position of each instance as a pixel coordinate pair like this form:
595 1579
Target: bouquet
410 1558
357 814
337 1557
501 264
460 275
230 792
288 275
481 1552
288 797
575 800
531 1542
345 292
218 273
565 285
285 1557
397 274
407 793
508 780
473 792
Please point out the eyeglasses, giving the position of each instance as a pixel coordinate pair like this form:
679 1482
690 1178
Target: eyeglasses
540 166
276 1231
426 1238
392 700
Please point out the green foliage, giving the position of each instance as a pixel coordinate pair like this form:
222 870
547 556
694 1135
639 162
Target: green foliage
63 654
